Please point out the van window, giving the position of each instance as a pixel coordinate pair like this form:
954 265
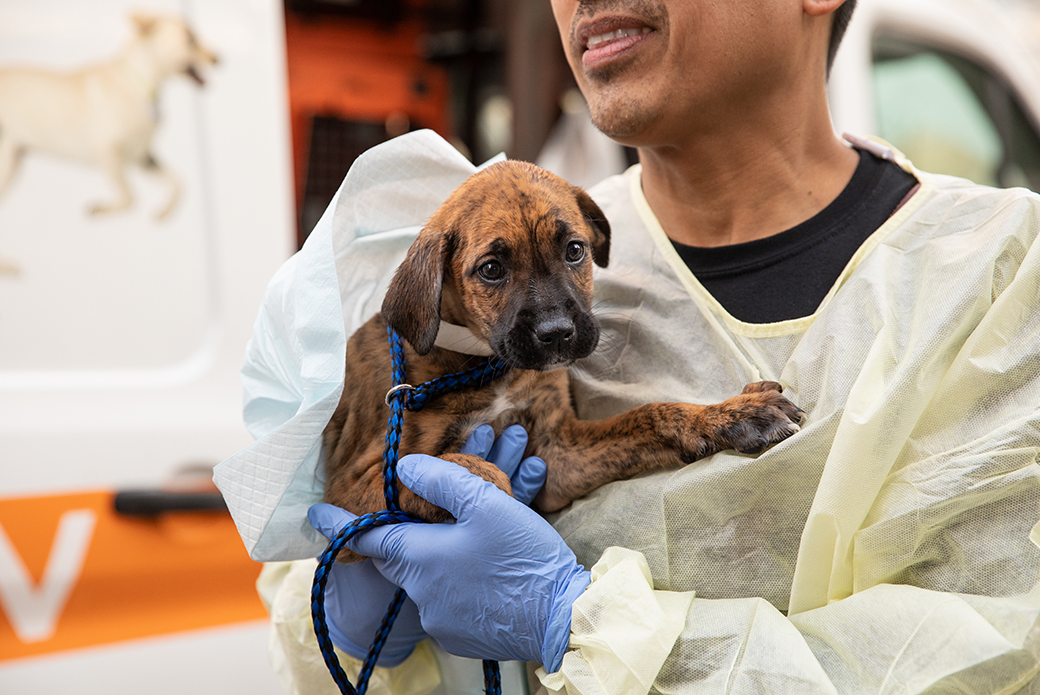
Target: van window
951 115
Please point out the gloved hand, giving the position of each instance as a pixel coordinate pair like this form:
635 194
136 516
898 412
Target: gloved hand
356 599
527 475
497 584
357 595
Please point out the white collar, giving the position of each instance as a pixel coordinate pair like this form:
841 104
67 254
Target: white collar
461 339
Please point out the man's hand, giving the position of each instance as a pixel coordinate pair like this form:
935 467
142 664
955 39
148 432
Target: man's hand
526 475
357 595
356 599
497 584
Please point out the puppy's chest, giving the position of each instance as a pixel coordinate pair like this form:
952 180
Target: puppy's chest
502 405
499 405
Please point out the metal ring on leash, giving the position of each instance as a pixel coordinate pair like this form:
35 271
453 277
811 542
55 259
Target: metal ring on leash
399 387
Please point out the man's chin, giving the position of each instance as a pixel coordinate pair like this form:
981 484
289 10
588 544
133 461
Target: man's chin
621 133
623 122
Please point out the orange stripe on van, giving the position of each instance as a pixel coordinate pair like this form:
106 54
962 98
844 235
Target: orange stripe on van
139 578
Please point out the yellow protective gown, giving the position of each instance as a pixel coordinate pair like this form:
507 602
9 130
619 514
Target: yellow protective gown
887 546
890 546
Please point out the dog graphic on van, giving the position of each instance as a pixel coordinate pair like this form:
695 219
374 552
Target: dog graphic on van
103 115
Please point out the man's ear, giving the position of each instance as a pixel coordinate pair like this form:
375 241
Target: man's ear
597 222
412 305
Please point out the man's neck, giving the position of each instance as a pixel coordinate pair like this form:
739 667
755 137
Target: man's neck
717 191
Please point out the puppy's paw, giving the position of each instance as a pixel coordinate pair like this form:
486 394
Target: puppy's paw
485 469
756 419
413 504
763 387
430 513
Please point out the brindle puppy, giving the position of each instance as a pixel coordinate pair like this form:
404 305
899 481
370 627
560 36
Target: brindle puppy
509 256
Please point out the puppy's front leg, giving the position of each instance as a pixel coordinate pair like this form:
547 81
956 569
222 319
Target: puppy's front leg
584 455
413 504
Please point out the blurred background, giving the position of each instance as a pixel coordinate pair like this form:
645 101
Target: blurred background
160 159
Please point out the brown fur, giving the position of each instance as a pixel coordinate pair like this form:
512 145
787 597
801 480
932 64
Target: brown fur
527 220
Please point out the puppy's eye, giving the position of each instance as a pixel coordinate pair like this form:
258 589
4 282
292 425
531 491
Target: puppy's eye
575 252
492 271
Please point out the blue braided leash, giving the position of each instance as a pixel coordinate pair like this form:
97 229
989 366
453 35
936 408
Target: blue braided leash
401 397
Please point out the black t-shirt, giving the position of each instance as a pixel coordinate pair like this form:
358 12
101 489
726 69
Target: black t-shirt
787 275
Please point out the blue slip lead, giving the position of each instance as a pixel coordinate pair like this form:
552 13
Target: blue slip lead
399 397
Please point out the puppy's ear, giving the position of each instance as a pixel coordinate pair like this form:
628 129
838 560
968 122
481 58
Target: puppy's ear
144 23
597 221
412 305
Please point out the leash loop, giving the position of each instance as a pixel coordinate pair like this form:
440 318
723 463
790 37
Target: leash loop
399 398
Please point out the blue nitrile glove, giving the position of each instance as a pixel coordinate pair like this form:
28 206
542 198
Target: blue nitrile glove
357 595
496 584
356 599
527 475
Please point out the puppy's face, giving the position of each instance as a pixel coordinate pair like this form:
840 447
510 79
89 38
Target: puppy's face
509 255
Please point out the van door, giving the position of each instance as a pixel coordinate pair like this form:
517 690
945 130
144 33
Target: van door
145 201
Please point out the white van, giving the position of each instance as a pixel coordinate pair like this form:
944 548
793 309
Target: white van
953 84
121 337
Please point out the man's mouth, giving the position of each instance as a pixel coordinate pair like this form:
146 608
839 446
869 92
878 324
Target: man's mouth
596 40
604 40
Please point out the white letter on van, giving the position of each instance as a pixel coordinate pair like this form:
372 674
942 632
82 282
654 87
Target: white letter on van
33 611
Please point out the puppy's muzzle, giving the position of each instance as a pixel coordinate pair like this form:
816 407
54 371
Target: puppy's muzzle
547 339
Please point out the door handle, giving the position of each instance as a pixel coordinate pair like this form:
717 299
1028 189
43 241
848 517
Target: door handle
155 502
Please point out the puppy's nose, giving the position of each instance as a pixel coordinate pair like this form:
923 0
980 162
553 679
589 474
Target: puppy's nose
555 333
